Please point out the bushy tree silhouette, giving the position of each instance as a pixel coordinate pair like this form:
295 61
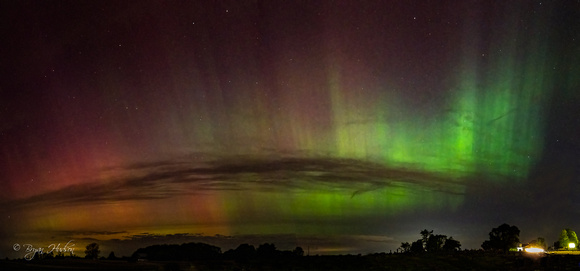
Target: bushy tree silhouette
267 251
430 242
417 247
405 247
425 234
92 251
504 238
451 245
298 251
435 242
242 253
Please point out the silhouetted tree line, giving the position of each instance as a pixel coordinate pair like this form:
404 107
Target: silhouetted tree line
183 252
205 252
246 252
430 242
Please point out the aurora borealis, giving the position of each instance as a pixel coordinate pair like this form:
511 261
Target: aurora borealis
337 125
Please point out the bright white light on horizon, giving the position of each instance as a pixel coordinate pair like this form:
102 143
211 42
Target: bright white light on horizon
571 245
534 250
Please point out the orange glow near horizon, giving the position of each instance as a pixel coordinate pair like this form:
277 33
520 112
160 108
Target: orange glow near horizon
534 250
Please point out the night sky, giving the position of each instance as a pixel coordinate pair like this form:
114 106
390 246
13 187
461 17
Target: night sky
338 126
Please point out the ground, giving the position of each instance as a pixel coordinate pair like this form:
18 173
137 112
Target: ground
466 260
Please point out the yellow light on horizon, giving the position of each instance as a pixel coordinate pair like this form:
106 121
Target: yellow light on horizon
571 245
534 250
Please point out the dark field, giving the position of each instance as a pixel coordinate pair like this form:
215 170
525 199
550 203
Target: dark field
456 261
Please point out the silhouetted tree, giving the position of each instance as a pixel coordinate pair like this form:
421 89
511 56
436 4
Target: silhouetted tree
425 234
298 251
417 247
198 251
405 247
111 256
451 245
267 250
435 242
242 253
92 251
502 238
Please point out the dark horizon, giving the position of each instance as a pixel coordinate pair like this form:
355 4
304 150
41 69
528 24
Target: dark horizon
131 247
351 126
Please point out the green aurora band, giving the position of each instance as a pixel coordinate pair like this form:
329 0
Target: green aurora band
489 130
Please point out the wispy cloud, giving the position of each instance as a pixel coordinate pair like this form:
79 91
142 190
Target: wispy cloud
165 179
